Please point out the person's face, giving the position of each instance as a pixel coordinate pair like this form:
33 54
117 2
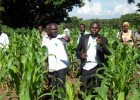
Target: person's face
53 31
40 29
94 28
82 28
125 28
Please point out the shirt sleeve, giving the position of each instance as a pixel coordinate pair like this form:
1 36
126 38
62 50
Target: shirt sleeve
6 41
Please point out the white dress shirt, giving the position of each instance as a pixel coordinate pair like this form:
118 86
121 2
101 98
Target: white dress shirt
57 58
91 54
4 41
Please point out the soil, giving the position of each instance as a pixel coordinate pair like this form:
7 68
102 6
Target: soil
8 96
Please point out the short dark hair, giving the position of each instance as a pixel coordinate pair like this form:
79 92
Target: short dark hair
52 25
83 24
95 22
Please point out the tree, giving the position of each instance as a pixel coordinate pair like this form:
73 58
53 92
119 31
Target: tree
133 1
134 19
19 13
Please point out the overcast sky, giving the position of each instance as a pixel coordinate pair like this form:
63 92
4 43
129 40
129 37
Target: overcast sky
104 9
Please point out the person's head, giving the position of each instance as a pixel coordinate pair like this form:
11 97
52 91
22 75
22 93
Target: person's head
82 28
47 28
94 28
40 28
53 30
125 26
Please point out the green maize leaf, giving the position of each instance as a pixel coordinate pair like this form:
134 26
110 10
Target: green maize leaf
121 96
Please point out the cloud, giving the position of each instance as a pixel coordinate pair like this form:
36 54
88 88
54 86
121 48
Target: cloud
102 9
121 9
90 8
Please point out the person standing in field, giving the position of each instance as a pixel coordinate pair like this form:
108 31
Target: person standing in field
126 35
91 50
137 37
57 61
119 32
41 31
4 41
82 31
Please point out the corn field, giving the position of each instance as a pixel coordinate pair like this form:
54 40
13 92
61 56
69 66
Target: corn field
23 69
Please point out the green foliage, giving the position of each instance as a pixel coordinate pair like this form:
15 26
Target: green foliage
23 68
23 65
134 19
30 13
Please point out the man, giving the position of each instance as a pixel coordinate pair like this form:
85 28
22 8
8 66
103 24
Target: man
137 37
82 31
4 41
91 50
57 59
41 31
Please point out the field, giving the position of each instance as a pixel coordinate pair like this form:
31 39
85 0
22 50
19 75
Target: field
24 71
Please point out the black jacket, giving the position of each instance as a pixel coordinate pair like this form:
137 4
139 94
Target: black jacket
101 50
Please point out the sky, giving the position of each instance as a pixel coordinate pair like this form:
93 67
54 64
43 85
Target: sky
104 9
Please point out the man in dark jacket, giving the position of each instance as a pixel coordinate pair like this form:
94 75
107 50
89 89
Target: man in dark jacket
91 51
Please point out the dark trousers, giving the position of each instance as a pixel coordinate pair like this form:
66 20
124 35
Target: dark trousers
89 79
58 80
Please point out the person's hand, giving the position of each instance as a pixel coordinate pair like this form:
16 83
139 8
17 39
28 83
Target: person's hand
84 55
99 41
66 37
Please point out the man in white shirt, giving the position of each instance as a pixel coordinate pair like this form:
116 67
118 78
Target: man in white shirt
91 51
57 59
137 37
4 41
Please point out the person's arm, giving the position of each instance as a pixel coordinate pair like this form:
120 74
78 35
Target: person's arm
133 37
63 36
103 43
44 40
79 53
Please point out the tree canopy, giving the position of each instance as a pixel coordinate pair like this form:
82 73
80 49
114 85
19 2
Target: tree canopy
30 13
19 13
133 1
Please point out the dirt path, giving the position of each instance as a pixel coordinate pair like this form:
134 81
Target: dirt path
12 94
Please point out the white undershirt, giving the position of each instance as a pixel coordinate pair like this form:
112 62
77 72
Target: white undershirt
4 41
58 58
91 54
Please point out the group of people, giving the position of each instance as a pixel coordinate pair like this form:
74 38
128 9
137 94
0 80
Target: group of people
128 36
91 50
